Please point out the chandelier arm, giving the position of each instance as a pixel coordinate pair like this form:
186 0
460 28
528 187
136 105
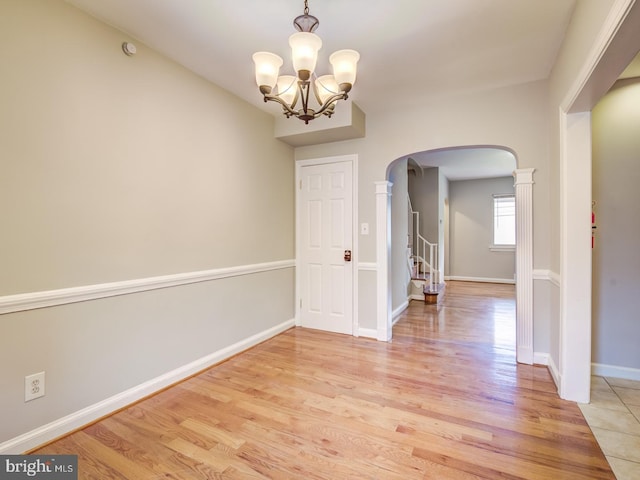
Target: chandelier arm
330 110
294 102
325 109
330 102
287 108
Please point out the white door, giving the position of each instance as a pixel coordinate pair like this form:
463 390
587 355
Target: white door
325 244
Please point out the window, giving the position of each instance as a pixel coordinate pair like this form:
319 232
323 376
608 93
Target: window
504 221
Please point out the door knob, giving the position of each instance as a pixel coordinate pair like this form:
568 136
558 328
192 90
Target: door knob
347 255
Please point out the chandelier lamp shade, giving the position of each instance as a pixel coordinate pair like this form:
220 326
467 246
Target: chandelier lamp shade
293 92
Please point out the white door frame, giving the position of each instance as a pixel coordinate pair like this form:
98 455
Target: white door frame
615 46
353 159
574 376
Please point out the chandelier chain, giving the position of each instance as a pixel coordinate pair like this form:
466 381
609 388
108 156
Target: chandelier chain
306 7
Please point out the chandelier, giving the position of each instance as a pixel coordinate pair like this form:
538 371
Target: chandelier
288 90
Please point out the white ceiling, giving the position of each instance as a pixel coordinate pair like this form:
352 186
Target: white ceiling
410 49
469 163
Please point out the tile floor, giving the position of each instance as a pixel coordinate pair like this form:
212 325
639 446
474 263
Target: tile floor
614 418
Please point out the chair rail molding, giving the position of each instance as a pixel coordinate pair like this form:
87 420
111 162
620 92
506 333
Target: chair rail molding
50 298
367 266
547 275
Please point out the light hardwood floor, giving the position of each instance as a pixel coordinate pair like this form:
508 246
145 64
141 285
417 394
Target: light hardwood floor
444 400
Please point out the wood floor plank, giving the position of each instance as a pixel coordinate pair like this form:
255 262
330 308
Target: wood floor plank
444 399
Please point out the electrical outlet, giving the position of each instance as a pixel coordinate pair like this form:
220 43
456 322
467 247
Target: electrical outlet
33 386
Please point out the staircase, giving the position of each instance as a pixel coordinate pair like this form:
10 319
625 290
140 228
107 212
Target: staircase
433 291
422 260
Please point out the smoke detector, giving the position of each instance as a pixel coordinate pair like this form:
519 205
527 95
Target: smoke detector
129 49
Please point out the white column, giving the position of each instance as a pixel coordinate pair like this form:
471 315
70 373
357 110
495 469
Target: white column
524 264
383 250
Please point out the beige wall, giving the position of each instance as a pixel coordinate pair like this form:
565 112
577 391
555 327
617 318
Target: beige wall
399 234
511 117
616 264
580 39
114 161
117 168
424 190
584 28
471 230
427 200
443 223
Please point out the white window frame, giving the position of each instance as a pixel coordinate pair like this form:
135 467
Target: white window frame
501 247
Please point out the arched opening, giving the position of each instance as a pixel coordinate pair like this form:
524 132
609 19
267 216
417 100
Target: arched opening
483 170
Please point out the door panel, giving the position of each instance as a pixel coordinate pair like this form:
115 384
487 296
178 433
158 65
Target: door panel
326 279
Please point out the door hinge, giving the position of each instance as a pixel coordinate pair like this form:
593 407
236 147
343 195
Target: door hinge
300 185
300 304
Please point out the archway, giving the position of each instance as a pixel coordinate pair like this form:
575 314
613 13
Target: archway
462 162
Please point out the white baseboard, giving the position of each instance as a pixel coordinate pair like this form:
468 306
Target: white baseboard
615 371
540 358
368 333
415 296
524 354
62 426
596 369
398 311
555 374
481 279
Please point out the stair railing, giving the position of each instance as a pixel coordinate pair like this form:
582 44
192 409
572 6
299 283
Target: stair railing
423 250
